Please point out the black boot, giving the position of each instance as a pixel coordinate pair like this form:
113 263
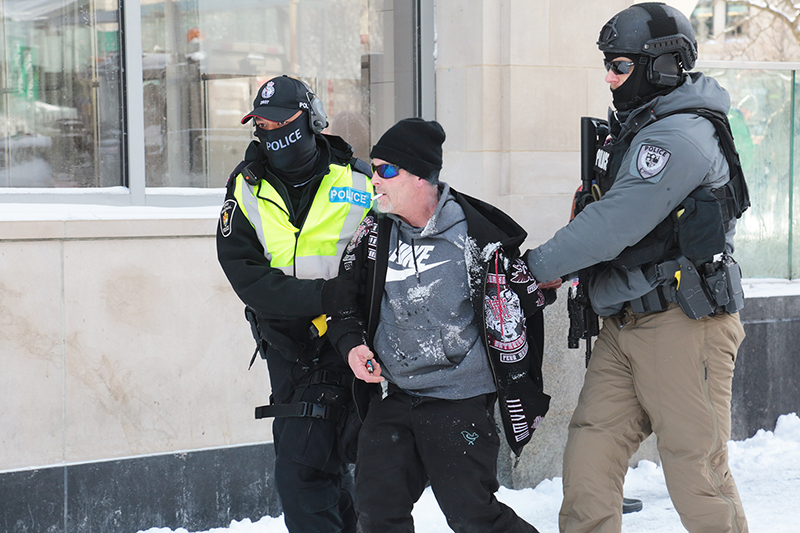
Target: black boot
630 505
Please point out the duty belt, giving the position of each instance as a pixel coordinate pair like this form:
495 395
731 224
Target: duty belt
711 288
654 301
299 409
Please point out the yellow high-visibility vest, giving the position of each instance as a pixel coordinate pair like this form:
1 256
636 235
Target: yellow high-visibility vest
313 251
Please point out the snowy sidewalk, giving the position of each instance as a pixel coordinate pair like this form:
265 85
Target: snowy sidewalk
766 468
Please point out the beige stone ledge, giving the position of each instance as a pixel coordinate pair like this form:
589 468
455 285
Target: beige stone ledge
31 222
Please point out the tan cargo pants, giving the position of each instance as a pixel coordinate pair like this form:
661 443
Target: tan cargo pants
663 373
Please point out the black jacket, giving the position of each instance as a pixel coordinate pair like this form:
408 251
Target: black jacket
516 365
284 305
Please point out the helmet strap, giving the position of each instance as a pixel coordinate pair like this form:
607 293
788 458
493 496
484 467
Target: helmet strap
660 23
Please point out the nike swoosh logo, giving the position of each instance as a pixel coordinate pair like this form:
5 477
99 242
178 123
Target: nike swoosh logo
399 275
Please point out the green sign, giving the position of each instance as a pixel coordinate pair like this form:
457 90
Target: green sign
24 70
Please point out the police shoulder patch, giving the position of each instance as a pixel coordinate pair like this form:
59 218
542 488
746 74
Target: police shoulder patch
226 216
651 160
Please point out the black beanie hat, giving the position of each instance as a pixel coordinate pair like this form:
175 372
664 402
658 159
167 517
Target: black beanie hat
413 144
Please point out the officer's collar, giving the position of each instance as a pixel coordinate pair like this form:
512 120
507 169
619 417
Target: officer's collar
633 121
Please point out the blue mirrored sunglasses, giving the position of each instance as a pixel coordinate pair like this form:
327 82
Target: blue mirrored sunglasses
386 171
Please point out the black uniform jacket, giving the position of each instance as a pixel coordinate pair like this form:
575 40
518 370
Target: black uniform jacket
284 305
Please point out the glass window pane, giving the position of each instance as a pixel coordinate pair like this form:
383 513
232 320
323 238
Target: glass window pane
205 59
61 104
703 21
761 119
730 31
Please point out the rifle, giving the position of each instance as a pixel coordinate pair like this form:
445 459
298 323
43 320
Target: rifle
583 321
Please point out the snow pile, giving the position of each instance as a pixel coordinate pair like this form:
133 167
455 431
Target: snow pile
766 467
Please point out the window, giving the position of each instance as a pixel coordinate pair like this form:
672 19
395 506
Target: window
703 21
193 70
718 19
764 120
205 59
736 19
61 101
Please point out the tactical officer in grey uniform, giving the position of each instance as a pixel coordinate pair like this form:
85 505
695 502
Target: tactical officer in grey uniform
663 361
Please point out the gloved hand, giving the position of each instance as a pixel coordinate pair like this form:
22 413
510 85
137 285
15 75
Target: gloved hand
339 297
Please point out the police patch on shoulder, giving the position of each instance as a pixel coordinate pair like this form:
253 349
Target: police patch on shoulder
226 216
651 160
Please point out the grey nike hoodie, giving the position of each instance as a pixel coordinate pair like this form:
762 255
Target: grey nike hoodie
428 340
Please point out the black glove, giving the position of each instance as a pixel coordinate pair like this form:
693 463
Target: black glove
339 297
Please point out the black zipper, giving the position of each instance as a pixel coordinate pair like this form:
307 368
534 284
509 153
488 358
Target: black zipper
276 204
294 253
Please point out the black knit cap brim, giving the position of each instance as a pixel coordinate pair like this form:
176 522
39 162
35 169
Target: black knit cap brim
413 144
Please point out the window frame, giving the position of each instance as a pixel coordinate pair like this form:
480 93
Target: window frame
135 192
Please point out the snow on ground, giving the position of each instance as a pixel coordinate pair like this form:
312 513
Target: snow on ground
766 467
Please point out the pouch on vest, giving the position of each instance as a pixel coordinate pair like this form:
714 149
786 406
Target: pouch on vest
699 227
653 247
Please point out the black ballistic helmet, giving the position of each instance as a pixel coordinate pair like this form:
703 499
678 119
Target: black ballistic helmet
654 30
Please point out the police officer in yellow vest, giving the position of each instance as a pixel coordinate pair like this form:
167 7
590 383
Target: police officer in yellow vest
291 208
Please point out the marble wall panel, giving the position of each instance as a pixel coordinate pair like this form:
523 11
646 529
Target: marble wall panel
31 354
529 32
546 103
156 350
485 99
475 173
574 28
451 110
545 173
460 25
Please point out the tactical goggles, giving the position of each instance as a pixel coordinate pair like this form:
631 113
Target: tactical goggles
619 67
386 171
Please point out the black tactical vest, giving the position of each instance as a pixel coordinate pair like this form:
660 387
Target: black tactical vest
697 227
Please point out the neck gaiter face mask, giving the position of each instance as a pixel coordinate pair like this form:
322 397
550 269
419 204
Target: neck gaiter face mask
291 150
637 89
627 95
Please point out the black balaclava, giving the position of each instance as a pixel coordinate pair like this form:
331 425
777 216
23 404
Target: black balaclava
637 89
291 150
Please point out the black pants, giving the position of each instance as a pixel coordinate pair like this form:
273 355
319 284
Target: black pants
407 441
313 482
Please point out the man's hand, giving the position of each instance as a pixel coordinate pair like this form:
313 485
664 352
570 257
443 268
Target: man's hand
555 284
364 365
